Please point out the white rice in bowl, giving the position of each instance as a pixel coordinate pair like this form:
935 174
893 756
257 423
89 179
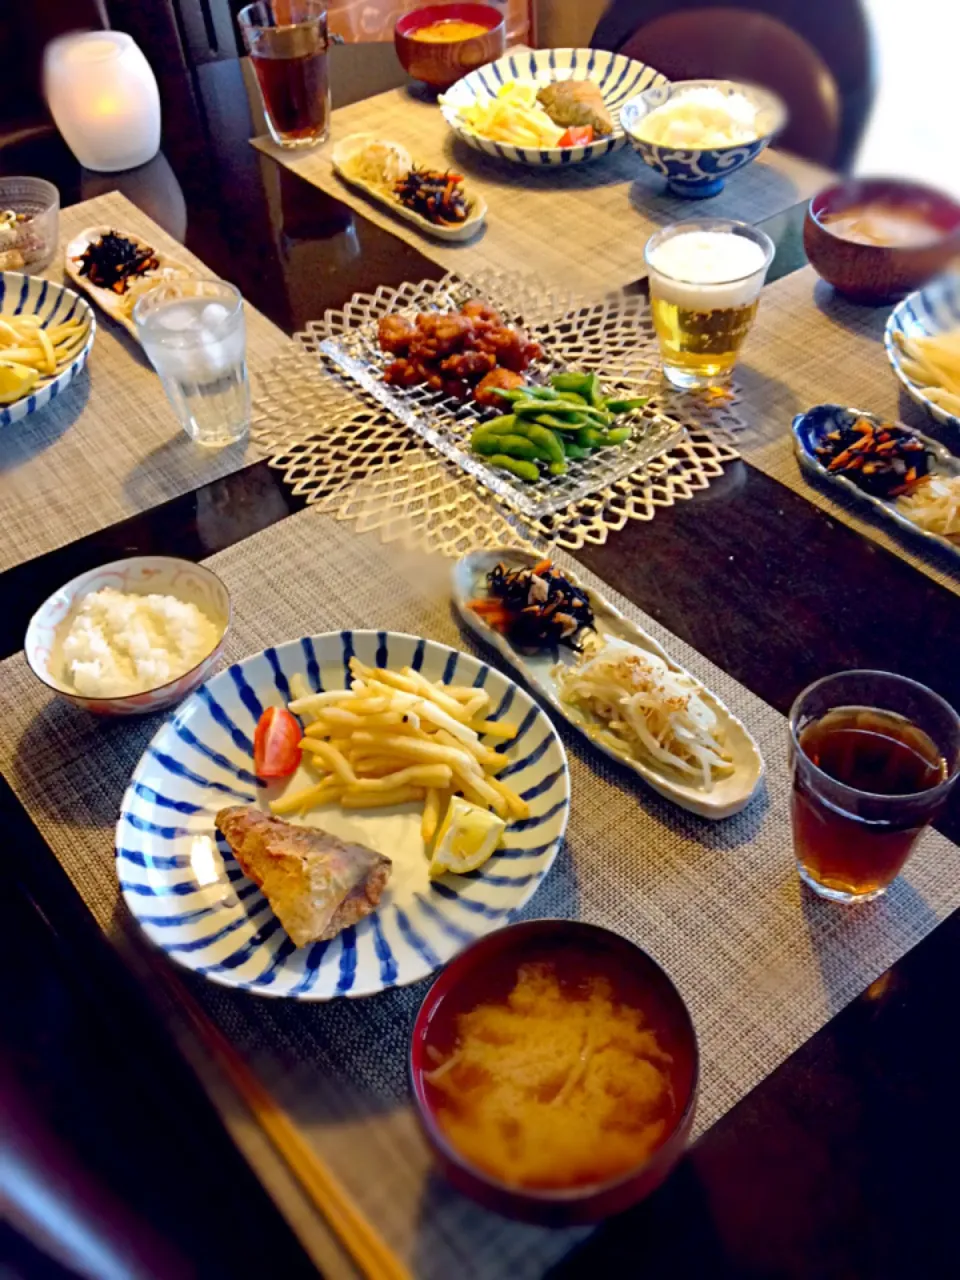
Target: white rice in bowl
119 644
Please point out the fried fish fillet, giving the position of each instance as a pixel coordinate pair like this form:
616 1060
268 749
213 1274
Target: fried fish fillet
315 883
576 102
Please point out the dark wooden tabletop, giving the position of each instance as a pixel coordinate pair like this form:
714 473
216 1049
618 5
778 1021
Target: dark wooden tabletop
840 1164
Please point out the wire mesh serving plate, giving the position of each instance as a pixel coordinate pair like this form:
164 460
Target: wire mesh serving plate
608 337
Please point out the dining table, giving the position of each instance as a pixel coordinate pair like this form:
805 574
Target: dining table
826 1147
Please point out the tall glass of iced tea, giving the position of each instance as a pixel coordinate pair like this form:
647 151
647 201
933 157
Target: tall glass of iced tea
874 757
287 41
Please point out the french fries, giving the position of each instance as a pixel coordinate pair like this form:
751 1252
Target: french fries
29 350
933 363
395 737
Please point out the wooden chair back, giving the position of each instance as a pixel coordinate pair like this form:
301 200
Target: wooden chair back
833 31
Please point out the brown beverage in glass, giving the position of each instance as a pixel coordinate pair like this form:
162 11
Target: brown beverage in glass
287 41
868 777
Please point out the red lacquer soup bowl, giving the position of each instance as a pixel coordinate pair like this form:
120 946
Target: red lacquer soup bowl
444 62
879 273
575 957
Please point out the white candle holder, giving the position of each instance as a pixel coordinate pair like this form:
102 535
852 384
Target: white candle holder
104 99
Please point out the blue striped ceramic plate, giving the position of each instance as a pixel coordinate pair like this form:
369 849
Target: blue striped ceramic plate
53 304
182 884
619 78
931 310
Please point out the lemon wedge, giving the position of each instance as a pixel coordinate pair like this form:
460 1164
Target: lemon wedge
466 839
16 381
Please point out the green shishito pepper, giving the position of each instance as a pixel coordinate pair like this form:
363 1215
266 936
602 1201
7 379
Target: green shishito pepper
519 467
615 406
590 438
551 450
533 406
515 446
567 420
575 382
495 427
618 435
554 423
575 451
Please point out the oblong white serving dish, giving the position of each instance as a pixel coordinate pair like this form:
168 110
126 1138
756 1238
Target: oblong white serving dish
108 301
728 795
462 231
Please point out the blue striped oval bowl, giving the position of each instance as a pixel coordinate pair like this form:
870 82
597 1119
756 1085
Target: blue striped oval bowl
932 310
53 304
619 78
183 885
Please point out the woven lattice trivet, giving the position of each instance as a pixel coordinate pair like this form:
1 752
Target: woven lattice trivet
398 463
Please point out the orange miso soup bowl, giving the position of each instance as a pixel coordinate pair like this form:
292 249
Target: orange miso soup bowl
582 985
881 273
442 63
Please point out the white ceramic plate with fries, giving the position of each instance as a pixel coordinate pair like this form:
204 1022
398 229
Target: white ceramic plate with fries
438 722
119 306
46 332
922 339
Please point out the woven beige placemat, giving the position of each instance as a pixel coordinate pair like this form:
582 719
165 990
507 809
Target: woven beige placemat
809 346
583 225
109 446
761 964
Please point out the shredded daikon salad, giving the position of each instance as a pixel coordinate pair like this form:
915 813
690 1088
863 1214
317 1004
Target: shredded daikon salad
657 713
934 505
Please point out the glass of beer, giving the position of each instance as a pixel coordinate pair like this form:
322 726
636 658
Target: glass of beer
287 41
705 280
874 757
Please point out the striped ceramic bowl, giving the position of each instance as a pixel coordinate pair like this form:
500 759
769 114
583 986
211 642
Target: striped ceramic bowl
140 575
53 304
182 883
930 311
619 78
700 172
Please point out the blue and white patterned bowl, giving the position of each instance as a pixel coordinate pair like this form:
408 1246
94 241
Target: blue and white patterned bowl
930 311
700 173
618 77
182 883
54 304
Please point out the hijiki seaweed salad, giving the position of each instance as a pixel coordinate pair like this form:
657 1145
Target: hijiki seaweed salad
535 608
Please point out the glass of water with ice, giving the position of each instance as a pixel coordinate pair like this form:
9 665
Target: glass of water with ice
195 335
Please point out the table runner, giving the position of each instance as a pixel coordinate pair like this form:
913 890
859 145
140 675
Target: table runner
110 446
584 225
761 964
810 346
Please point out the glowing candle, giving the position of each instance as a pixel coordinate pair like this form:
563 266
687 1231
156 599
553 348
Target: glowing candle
104 99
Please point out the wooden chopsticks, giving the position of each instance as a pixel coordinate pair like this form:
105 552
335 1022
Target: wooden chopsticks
358 1237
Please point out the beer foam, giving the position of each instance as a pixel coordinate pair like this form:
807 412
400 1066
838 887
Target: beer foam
706 270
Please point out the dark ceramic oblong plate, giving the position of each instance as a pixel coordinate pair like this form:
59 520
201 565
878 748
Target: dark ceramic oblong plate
810 428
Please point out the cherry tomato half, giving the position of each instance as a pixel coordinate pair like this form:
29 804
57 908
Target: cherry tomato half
276 744
577 136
